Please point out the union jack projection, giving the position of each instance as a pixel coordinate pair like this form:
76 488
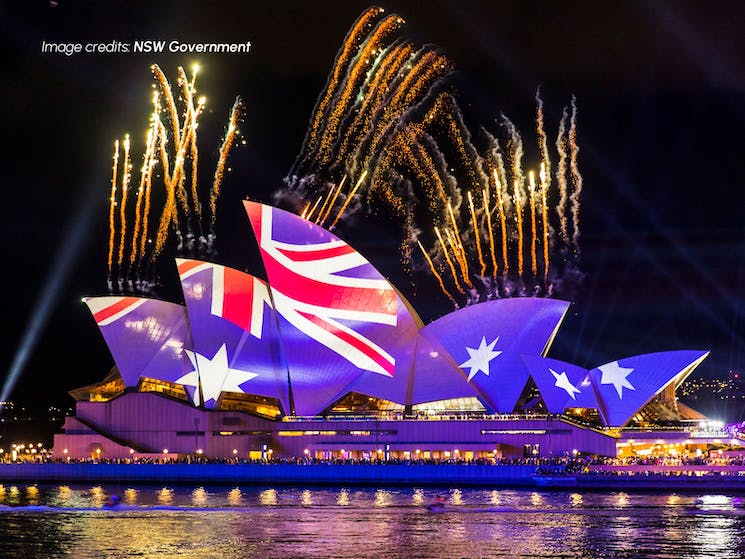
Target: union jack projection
325 292
236 342
327 323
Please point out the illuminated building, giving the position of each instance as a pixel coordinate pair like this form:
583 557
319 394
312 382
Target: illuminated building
327 360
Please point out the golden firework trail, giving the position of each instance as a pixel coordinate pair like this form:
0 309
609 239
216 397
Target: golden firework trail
416 84
544 220
477 235
194 154
373 101
183 141
490 231
357 71
387 109
326 198
519 205
455 250
561 177
545 179
542 142
126 175
165 88
533 225
436 274
148 188
144 172
235 115
576 176
459 251
348 200
352 41
173 145
333 200
169 207
112 206
502 224
313 209
449 262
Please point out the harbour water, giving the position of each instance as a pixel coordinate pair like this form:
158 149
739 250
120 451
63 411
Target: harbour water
155 522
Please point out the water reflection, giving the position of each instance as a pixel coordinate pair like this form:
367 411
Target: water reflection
359 523
495 499
199 497
268 497
456 497
382 498
98 497
622 499
417 499
165 496
13 495
235 497
130 496
32 495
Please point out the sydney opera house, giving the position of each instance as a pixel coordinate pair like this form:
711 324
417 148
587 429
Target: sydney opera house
327 360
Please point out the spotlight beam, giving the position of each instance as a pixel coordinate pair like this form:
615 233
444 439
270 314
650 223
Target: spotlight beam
59 273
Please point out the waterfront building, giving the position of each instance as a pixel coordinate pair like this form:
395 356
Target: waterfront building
327 360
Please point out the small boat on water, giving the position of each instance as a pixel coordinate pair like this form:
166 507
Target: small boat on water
438 505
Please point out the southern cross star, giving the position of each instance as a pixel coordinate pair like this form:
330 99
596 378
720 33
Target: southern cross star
616 375
562 381
479 358
214 374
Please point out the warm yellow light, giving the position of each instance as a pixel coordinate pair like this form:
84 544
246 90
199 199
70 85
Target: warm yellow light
165 451
235 451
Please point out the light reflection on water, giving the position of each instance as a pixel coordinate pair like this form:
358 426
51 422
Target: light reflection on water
198 522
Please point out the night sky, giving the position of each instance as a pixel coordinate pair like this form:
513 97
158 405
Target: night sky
660 88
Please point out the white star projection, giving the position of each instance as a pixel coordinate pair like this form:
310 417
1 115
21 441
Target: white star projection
562 381
479 358
616 375
215 375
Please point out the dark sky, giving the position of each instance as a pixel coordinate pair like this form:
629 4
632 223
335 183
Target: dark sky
661 93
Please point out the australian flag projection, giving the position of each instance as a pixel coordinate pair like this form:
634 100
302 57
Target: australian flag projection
327 323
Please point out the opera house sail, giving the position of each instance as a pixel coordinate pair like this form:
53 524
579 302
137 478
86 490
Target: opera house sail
327 359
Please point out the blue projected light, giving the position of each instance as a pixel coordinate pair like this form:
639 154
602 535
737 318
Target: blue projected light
49 293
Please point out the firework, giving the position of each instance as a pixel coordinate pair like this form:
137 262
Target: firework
576 177
112 207
348 200
333 200
476 234
436 274
390 123
126 174
561 177
173 146
449 262
235 115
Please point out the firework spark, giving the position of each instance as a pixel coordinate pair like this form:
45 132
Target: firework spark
576 177
112 207
390 123
173 146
